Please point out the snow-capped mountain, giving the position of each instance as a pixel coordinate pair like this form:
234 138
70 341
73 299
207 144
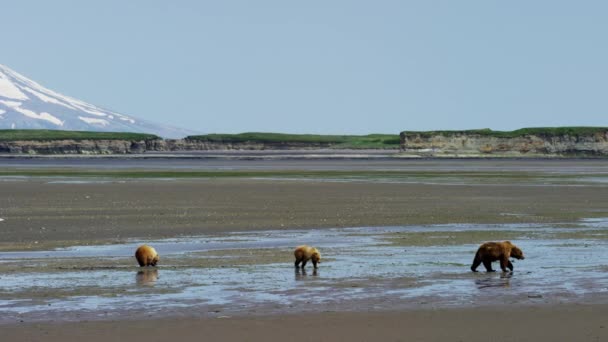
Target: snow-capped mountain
25 104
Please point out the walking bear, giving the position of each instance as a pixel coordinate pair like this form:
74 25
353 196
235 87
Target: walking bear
493 251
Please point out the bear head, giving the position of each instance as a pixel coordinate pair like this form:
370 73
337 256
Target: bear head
155 260
517 253
316 256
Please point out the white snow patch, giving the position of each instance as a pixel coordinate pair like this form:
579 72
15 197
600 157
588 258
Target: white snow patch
42 116
11 104
46 99
51 118
1 219
93 111
8 89
124 118
94 121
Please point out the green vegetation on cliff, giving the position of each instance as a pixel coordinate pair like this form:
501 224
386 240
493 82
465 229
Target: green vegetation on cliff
539 131
335 141
46 135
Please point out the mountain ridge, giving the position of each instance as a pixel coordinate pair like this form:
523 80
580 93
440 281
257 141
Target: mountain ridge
25 104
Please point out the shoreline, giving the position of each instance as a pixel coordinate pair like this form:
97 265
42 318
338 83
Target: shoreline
387 154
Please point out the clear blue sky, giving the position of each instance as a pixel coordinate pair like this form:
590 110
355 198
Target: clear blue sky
320 66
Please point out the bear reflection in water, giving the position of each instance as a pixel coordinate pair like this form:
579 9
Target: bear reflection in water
488 282
146 277
301 273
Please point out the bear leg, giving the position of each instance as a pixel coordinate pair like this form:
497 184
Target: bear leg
503 264
304 263
476 262
510 266
488 265
314 263
297 263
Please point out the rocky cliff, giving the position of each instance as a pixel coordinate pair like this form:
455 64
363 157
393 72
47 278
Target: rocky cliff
581 141
200 145
85 142
567 141
75 146
67 146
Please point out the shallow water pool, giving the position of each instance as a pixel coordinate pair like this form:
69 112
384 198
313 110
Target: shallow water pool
371 268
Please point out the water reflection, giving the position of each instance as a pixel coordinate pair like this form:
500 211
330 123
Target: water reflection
301 273
493 282
146 277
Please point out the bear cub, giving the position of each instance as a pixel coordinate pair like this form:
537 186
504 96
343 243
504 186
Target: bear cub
146 256
304 253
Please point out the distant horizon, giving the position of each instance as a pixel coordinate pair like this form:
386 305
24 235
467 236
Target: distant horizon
342 68
430 130
472 130
314 133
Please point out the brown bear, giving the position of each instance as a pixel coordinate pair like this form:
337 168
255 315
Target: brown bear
304 253
146 256
492 251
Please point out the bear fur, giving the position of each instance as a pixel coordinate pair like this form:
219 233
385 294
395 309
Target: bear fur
493 251
304 253
146 256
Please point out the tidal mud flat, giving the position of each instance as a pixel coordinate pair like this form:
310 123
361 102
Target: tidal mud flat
244 273
51 203
397 238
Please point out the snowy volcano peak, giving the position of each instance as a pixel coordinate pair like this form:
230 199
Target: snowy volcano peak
25 104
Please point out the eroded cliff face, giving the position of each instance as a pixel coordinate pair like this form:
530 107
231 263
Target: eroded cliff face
74 146
138 146
197 145
459 144
432 145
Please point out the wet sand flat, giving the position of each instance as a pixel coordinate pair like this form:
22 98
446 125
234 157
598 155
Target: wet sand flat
41 213
553 323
